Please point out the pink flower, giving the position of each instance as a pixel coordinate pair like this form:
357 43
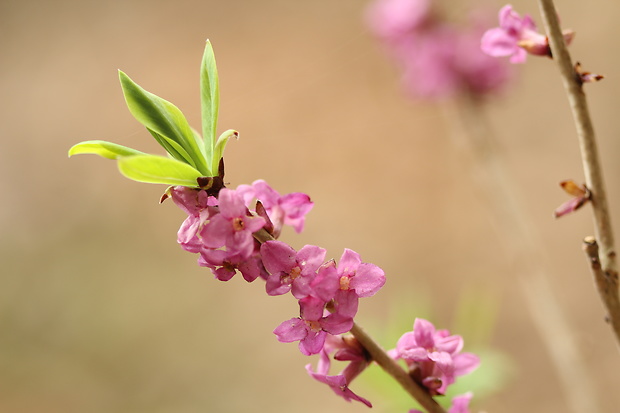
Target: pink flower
363 278
290 209
347 282
233 226
225 265
434 356
516 37
290 270
312 326
347 349
199 207
438 58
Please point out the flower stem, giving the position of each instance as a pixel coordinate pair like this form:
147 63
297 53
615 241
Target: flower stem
591 164
396 371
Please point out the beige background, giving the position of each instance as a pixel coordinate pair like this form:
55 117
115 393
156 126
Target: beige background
101 311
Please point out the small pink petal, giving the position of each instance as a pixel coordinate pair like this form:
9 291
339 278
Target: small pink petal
349 261
337 324
311 308
312 343
291 330
278 256
424 331
368 280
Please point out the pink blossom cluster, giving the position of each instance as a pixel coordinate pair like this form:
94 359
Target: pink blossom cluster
438 58
222 231
230 236
433 356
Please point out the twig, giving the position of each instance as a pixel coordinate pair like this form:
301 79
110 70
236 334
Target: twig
590 159
396 371
607 284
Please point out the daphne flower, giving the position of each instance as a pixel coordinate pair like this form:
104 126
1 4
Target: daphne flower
199 207
289 269
516 37
434 356
290 209
312 326
232 227
356 279
224 265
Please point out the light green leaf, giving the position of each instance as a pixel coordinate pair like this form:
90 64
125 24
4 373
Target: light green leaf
200 143
157 169
104 149
174 149
163 118
220 145
210 101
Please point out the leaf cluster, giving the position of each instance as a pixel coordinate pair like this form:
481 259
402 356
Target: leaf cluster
190 155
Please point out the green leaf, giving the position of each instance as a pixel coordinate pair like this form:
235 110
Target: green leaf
210 102
157 169
104 149
220 145
173 148
200 144
163 118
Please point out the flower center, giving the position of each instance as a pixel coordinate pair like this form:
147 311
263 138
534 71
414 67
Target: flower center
314 325
295 271
238 224
344 282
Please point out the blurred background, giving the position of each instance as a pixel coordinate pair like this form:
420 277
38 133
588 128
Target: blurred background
101 311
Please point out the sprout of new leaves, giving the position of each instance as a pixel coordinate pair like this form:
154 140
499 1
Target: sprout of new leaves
191 157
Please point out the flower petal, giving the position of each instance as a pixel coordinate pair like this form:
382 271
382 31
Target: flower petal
291 330
368 280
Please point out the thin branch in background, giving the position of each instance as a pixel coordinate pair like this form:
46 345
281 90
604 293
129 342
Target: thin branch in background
591 164
525 253
607 284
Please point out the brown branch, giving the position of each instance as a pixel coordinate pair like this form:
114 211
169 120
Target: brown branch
607 284
396 371
606 255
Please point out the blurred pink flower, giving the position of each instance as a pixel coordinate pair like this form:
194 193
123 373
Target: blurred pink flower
438 58
391 19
